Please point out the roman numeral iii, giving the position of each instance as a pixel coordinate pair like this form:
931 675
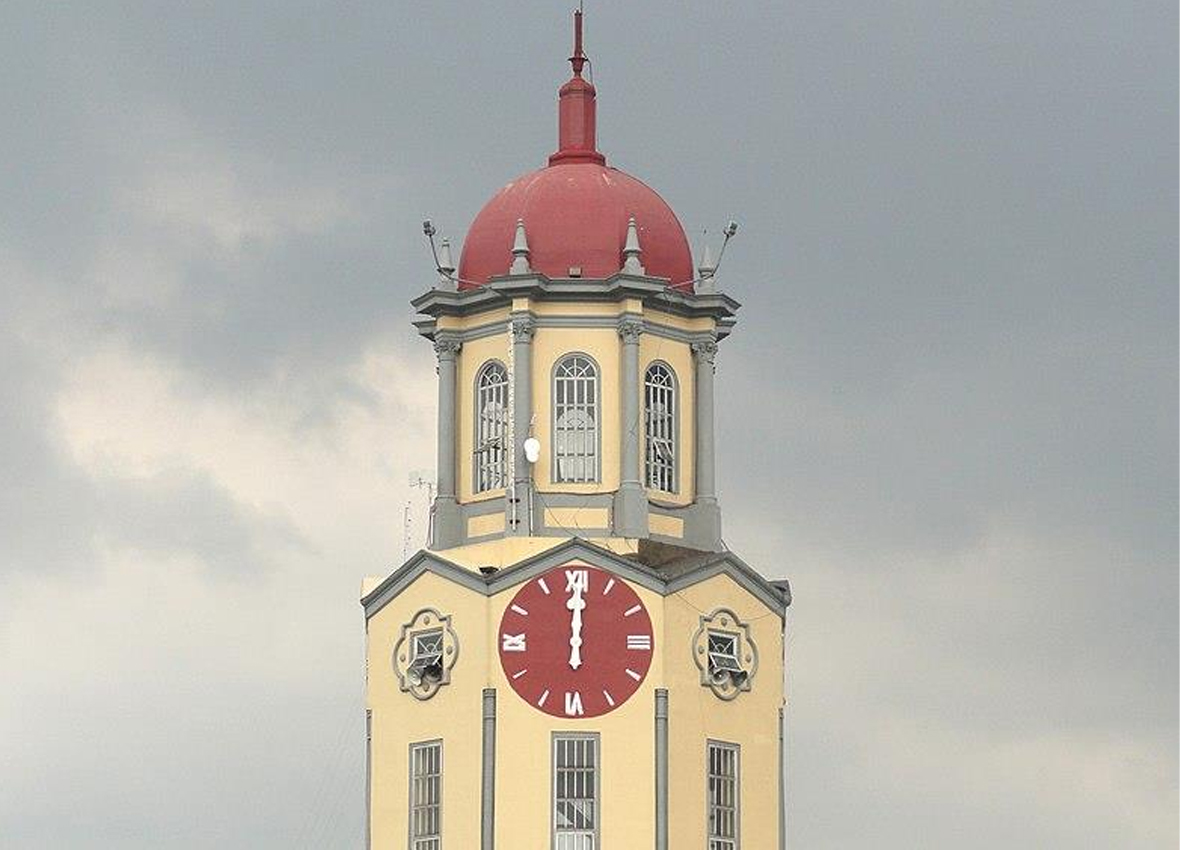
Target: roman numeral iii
639 642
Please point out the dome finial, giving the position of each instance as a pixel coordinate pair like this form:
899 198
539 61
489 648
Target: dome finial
631 250
520 251
576 111
578 60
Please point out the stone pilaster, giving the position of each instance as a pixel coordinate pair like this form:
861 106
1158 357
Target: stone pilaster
630 508
521 472
707 531
448 529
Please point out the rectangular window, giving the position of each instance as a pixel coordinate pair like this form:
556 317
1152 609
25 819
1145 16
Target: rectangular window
426 796
575 792
724 778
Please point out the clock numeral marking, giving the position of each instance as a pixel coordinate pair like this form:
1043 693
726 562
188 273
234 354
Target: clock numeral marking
639 642
573 704
544 587
609 699
520 673
544 696
609 585
521 611
633 674
577 580
513 643
634 609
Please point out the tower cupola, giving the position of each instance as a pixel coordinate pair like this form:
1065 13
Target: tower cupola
573 324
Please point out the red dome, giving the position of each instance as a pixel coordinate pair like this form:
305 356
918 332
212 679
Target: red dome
575 216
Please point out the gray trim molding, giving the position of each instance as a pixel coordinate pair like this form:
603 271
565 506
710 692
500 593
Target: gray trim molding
651 291
368 779
665 581
782 795
487 796
429 328
661 769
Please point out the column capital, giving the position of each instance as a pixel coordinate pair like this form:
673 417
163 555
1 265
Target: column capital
705 350
523 328
446 347
630 329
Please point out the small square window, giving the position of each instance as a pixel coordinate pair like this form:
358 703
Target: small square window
426 652
723 653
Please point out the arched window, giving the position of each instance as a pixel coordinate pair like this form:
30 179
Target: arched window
575 420
491 422
659 427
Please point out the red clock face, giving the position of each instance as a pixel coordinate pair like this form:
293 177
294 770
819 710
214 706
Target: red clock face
576 641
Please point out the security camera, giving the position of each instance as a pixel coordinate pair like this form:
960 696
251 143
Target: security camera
428 227
731 228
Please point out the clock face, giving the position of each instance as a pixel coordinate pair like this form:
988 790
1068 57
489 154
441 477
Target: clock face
576 641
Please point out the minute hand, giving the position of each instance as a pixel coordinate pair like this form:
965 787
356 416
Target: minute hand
576 604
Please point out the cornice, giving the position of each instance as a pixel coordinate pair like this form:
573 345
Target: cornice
774 595
652 291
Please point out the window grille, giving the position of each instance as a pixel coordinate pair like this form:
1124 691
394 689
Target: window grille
723 653
575 792
491 426
575 412
426 796
723 782
659 424
426 651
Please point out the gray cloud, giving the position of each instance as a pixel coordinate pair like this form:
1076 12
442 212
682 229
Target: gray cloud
949 408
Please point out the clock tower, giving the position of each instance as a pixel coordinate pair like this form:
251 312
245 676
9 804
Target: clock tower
578 661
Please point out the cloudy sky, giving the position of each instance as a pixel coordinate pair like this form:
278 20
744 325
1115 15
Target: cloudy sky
949 411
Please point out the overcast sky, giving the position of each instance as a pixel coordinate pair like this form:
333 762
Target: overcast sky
948 413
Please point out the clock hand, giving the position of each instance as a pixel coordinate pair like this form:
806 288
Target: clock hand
576 604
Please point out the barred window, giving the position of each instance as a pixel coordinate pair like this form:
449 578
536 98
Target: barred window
491 424
575 420
426 796
724 776
659 427
575 792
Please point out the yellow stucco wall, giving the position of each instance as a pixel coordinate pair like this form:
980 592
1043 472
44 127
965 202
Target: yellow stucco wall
696 715
453 714
523 771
